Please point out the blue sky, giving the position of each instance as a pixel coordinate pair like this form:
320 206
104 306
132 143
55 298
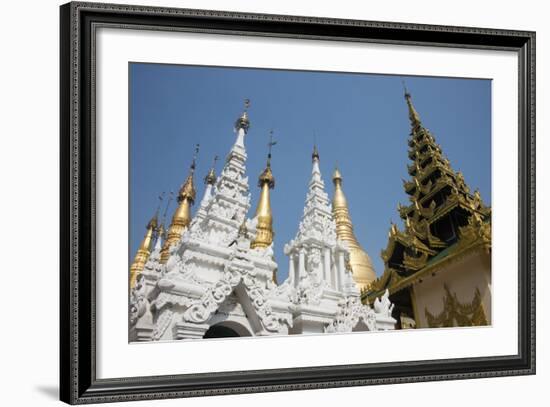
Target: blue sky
359 121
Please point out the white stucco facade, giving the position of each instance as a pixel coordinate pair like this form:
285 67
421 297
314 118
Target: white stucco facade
214 279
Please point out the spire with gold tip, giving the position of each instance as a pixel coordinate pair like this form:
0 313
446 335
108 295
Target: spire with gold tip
266 181
210 178
209 181
144 250
360 262
414 117
443 216
182 215
242 124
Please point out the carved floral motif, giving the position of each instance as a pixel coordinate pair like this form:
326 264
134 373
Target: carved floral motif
350 312
456 313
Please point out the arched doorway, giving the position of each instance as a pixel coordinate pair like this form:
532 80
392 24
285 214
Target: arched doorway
220 331
227 329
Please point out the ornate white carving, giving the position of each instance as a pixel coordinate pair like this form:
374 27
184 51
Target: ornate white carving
164 300
350 312
384 306
140 307
212 269
201 310
164 320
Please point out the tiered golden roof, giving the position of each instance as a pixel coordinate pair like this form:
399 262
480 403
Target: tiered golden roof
360 262
442 218
144 251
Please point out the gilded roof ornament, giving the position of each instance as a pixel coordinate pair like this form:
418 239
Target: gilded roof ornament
210 178
336 175
414 117
182 215
187 190
264 216
266 177
144 250
243 121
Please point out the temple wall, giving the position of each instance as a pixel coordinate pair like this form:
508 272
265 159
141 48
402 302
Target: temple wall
462 276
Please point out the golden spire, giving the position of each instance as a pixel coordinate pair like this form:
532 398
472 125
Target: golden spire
264 227
360 263
182 214
414 117
143 251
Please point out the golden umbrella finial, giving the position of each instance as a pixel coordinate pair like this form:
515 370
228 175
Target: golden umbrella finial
266 181
182 215
243 122
210 178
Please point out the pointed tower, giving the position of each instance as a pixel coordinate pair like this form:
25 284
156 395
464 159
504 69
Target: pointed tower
359 261
442 219
214 277
143 251
209 182
314 254
182 214
317 263
264 216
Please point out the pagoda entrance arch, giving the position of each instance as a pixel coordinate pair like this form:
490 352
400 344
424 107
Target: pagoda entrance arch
227 329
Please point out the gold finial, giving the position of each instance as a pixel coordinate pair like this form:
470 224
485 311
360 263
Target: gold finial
336 176
360 262
264 228
182 215
266 177
413 114
144 250
243 122
187 190
210 178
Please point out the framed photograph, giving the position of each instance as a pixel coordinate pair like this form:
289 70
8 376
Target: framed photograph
255 203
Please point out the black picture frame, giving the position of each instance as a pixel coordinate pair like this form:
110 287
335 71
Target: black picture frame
78 381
